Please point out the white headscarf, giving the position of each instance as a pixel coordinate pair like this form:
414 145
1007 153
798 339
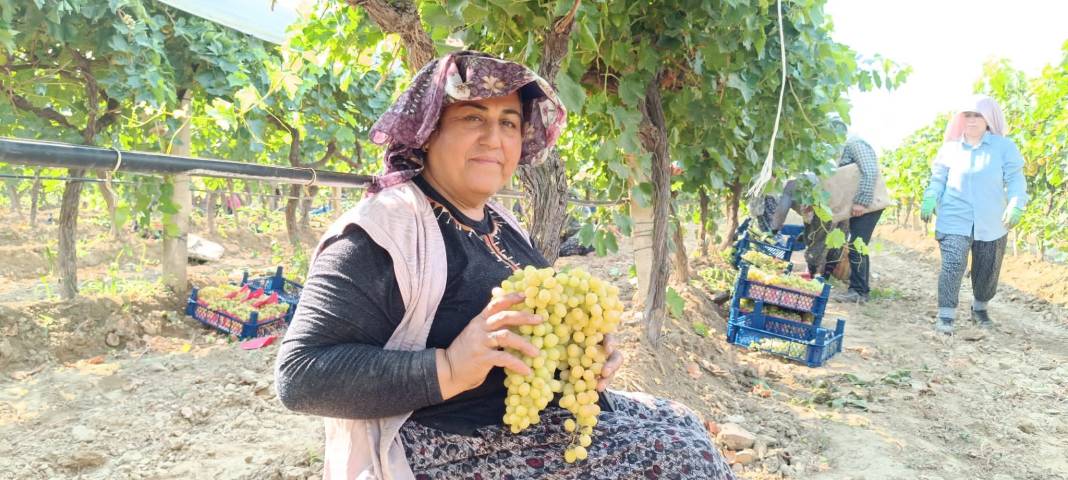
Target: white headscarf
983 105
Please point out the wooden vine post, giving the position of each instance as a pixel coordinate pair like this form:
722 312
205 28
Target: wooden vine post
175 247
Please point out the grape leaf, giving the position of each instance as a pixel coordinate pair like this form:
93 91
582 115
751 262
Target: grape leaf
835 239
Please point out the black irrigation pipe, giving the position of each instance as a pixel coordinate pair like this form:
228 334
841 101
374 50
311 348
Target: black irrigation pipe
33 152
127 182
65 155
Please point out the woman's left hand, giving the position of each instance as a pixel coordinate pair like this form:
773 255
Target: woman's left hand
612 364
1012 216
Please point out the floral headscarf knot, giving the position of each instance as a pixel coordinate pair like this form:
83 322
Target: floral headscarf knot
463 76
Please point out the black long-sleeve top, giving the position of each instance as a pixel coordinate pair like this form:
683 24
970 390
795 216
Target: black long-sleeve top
332 362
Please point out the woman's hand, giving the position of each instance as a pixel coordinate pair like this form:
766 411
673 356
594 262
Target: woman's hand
479 347
1012 216
615 360
927 208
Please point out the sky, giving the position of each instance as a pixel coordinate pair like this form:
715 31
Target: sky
946 42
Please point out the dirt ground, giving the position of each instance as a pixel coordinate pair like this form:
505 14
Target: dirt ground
174 400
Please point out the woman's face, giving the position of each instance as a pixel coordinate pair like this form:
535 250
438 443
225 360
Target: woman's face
974 124
477 145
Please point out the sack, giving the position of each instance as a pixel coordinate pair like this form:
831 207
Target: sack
842 187
842 269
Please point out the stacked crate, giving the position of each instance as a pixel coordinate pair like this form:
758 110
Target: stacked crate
757 320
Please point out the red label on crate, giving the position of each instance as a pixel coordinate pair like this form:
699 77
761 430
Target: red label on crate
782 297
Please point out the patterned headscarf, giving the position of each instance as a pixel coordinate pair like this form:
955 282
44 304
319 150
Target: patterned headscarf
463 76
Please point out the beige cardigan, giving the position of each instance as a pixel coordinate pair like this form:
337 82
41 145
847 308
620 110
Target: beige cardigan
401 221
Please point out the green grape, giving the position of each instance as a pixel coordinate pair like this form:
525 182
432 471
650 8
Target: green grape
787 314
781 347
214 294
578 311
765 261
716 279
273 310
793 282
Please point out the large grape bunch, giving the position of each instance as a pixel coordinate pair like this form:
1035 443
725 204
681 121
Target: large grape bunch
578 311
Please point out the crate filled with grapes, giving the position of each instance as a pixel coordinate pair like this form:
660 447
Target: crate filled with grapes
747 305
778 320
578 309
288 291
754 331
751 241
782 290
241 311
794 234
765 262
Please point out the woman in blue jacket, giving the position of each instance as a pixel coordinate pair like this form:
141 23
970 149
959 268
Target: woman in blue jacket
977 186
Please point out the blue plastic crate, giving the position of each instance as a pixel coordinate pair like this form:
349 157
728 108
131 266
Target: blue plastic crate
784 243
814 352
744 243
250 327
779 296
781 326
288 290
743 228
791 235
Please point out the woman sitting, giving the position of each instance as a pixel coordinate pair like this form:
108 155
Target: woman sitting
395 340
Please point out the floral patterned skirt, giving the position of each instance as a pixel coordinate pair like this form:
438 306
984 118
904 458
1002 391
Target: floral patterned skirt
643 437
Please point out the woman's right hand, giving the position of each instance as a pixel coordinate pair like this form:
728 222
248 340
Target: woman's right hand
927 208
479 347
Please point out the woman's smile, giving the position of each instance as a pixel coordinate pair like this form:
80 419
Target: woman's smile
488 160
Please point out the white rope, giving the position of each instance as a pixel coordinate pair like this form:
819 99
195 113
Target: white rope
109 174
765 171
118 160
314 176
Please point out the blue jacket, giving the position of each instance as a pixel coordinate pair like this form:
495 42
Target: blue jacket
973 185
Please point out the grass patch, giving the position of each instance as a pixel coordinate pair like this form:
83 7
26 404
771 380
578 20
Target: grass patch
885 293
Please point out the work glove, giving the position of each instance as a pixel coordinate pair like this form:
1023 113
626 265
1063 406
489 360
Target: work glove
1012 216
927 208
